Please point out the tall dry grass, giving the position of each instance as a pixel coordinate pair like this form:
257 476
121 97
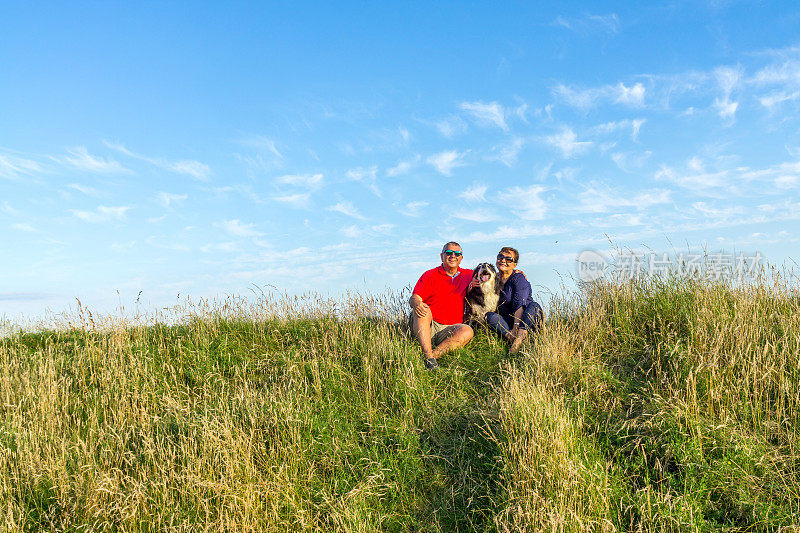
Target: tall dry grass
653 405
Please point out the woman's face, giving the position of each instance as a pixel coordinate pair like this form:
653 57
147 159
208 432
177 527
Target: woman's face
505 262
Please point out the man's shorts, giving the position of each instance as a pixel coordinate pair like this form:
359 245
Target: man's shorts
439 332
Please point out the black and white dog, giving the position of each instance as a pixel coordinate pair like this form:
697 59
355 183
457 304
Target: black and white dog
483 298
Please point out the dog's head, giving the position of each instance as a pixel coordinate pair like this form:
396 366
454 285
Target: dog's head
485 273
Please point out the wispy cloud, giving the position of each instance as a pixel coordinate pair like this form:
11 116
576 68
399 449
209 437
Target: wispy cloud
310 181
526 202
307 183
475 215
80 158
445 162
357 232
483 114
237 228
585 99
403 167
728 79
297 200
634 125
83 189
509 153
602 199
102 214
451 126
414 209
508 233
347 209
166 199
188 167
21 226
474 193
567 141
15 167
366 175
586 24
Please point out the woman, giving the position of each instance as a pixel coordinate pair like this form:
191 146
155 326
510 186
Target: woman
517 313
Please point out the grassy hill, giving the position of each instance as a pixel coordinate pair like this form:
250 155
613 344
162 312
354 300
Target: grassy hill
661 405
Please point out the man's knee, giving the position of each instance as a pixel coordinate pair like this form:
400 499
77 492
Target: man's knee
464 334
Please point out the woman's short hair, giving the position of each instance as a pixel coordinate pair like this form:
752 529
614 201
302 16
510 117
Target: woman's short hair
511 250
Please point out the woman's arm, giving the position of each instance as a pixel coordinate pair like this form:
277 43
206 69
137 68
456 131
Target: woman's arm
520 291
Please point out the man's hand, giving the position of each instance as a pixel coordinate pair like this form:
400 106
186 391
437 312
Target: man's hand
473 283
421 309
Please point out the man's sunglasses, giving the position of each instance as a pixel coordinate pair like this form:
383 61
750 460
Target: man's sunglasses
448 253
505 258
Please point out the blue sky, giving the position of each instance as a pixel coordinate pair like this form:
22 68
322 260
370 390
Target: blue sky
201 149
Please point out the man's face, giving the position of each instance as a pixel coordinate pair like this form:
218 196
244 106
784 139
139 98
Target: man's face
452 257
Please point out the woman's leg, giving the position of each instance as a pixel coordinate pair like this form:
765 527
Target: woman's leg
532 317
497 323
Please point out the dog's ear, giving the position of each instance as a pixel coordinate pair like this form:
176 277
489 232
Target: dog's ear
491 267
475 271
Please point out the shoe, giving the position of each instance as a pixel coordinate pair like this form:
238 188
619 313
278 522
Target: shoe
431 363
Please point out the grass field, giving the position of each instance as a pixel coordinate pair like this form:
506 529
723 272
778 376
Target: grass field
654 405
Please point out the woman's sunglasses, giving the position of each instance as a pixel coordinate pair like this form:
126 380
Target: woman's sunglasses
505 258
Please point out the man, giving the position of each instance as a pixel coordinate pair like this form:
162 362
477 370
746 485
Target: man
437 307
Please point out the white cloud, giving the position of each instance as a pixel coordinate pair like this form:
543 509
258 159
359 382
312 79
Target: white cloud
508 153
474 193
475 215
7 209
21 226
310 181
81 159
728 79
509 233
102 214
586 24
220 247
567 141
166 199
356 232
445 162
486 114
88 191
609 127
585 99
630 161
600 199
189 167
775 99
13 167
451 126
633 96
368 176
237 228
195 169
403 167
298 201
526 202
347 209
413 209
262 144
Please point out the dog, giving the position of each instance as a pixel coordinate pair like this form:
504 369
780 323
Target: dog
485 297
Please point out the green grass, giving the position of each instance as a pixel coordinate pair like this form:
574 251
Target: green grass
662 405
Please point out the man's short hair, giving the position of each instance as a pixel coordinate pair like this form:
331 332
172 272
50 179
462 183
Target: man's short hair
449 244
512 251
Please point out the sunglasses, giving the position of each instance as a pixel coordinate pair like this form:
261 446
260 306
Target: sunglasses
448 253
505 258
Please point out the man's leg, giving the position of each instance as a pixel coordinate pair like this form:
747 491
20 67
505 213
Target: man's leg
421 329
460 335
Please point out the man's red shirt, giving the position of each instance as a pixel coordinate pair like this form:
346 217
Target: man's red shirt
443 294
